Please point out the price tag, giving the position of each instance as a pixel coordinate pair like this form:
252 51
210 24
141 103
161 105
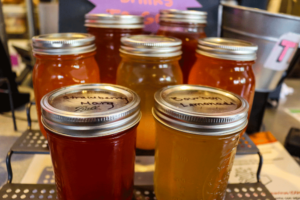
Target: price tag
146 8
283 52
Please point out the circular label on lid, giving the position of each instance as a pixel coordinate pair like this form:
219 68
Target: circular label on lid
200 110
90 110
201 101
90 101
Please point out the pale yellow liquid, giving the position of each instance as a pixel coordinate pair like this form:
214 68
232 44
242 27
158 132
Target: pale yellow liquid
192 167
145 76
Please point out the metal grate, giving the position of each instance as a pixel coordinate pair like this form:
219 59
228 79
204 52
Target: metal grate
254 191
246 146
31 141
27 191
251 191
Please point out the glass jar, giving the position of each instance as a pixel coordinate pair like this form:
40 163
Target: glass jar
108 30
187 25
148 64
227 64
91 136
198 130
62 59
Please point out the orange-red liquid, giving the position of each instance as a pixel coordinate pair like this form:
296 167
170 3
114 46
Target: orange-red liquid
146 75
189 46
108 42
53 71
99 168
234 76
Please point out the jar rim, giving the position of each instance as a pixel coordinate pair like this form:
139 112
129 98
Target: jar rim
185 16
200 110
63 43
227 49
151 46
104 20
90 110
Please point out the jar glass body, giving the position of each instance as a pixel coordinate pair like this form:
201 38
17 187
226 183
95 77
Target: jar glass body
145 75
55 71
231 75
108 42
190 166
189 34
95 168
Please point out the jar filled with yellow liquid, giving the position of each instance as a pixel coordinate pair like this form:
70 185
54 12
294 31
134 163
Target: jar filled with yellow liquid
198 130
148 64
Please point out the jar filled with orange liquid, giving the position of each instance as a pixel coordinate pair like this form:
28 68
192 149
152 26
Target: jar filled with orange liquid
227 64
62 59
187 25
108 30
198 130
91 135
148 63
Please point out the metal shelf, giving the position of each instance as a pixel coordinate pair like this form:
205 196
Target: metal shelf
244 191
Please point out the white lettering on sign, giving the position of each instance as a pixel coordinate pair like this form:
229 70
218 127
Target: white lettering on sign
283 52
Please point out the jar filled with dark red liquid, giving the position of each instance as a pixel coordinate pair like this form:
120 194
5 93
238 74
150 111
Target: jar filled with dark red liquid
91 132
108 30
187 25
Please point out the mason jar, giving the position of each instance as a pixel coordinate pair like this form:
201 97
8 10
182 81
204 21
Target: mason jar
108 30
62 59
188 26
91 132
226 63
148 63
198 130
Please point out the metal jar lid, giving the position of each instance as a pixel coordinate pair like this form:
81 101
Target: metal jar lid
185 16
200 110
90 110
63 43
114 21
228 49
151 46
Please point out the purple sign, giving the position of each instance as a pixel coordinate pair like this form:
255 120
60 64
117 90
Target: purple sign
147 8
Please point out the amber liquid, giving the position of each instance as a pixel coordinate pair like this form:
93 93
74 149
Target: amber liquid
53 72
108 42
94 168
189 46
145 76
190 166
234 76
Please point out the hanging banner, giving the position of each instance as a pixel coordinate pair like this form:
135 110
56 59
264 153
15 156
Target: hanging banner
146 8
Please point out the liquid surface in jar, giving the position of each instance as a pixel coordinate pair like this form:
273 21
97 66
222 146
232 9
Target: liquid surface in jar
55 71
189 46
190 166
96 168
231 75
145 76
108 42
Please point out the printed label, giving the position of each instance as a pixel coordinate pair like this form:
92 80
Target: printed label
283 52
149 9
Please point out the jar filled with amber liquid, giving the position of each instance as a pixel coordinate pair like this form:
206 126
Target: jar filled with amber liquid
108 30
187 25
62 59
227 64
198 130
148 64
